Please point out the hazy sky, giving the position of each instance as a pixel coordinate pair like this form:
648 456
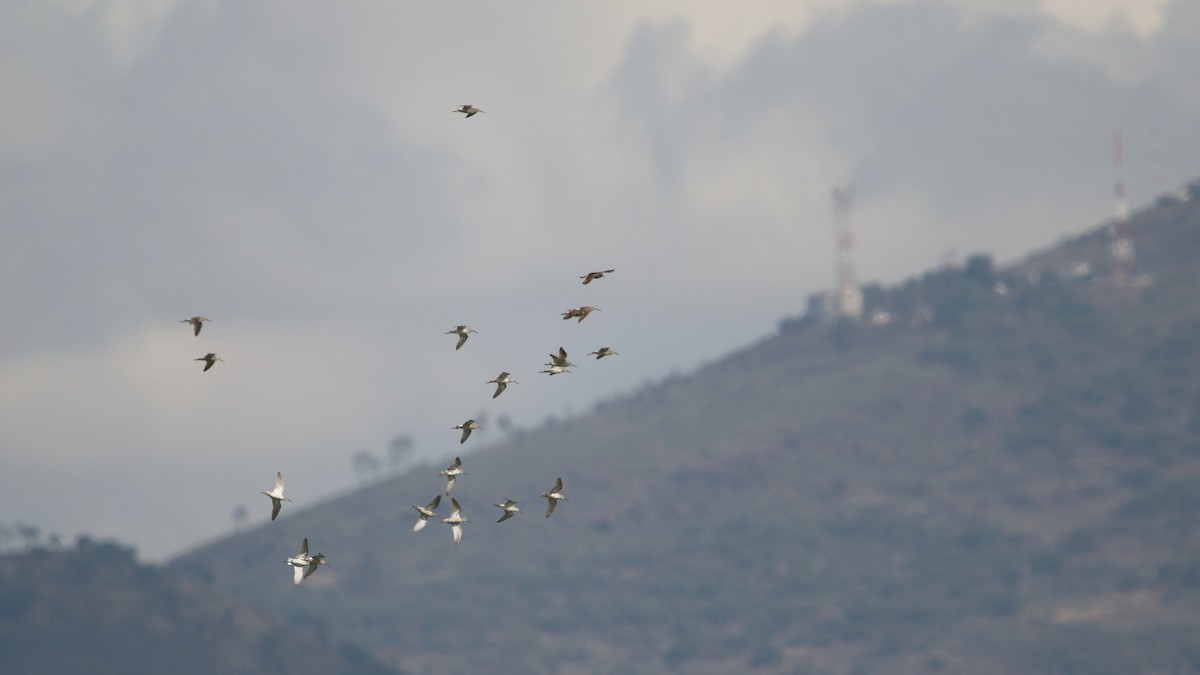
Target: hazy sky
293 171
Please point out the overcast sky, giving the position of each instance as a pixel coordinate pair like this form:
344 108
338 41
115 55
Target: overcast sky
293 171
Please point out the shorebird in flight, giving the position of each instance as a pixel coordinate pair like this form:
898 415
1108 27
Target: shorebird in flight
467 427
426 512
209 359
455 521
502 381
603 352
462 332
197 322
592 276
304 563
451 474
580 312
560 360
509 507
276 495
467 109
553 496
555 370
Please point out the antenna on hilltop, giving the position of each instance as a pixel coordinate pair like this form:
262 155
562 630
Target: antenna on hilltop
847 296
1121 246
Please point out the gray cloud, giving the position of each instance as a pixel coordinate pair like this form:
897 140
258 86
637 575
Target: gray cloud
1003 147
219 177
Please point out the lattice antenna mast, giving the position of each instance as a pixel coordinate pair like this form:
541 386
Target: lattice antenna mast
1121 246
848 300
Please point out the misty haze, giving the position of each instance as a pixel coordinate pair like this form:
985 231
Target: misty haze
805 336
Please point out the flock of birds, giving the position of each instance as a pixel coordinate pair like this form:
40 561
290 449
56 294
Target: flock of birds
304 563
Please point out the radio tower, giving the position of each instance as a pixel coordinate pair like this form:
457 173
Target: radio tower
847 298
1121 246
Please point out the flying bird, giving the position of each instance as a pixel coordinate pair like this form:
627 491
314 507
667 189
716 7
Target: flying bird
560 360
468 109
304 563
462 332
276 495
603 352
451 474
467 427
592 276
197 322
553 496
455 521
555 370
426 512
209 359
313 563
580 312
502 381
509 507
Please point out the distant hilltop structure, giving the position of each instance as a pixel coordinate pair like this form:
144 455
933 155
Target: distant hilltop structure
846 301
1120 248
1109 257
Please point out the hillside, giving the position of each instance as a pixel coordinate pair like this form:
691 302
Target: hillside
1003 479
93 609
